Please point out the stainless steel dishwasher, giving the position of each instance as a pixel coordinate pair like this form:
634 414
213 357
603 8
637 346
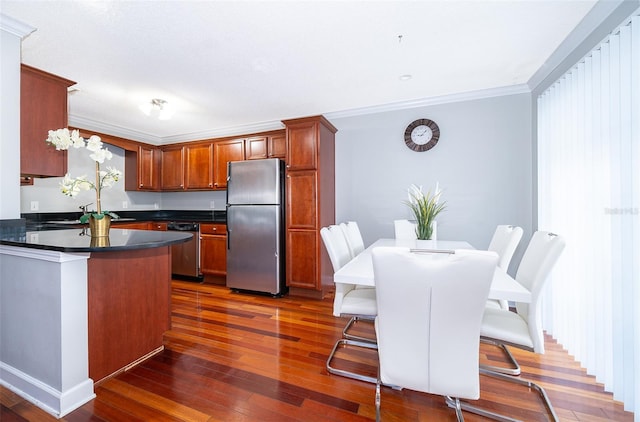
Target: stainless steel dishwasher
185 257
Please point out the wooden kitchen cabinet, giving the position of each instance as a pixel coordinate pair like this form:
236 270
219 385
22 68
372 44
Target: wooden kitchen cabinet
136 225
272 146
199 166
43 107
278 146
160 226
213 249
172 168
310 203
302 194
257 148
223 152
302 145
142 168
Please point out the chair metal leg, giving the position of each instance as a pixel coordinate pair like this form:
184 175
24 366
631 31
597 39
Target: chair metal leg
526 383
378 383
454 403
352 321
529 384
500 369
349 374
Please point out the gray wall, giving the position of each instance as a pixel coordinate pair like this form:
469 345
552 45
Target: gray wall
483 164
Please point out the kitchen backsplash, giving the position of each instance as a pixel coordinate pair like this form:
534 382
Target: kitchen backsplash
45 195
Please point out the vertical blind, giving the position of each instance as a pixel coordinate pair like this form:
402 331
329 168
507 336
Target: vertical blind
589 191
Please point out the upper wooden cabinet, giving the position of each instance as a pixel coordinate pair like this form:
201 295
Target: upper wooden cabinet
43 107
172 168
257 148
223 152
199 166
142 168
278 146
302 148
272 146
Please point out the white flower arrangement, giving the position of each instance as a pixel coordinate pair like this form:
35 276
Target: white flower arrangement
63 139
425 207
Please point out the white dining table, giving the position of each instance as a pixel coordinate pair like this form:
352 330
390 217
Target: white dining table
360 269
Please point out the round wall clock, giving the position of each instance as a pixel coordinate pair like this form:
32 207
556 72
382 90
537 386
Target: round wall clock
422 135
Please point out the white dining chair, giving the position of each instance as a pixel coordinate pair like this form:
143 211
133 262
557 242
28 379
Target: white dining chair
404 229
428 324
504 242
359 304
354 237
523 328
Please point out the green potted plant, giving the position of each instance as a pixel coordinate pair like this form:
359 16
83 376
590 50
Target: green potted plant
63 139
425 208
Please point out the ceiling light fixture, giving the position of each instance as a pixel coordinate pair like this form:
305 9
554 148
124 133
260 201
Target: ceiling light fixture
157 107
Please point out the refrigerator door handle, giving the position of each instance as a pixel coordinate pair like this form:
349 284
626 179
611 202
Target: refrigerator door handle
228 229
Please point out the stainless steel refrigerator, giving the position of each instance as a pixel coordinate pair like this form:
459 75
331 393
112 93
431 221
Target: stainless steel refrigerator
255 226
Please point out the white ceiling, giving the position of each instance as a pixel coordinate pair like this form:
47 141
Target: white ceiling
234 66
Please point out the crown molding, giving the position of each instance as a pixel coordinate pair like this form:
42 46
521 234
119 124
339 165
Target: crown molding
226 131
14 26
431 101
122 132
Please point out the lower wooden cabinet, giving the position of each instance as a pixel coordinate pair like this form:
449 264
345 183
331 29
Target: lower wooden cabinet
141 225
302 262
136 225
213 249
158 226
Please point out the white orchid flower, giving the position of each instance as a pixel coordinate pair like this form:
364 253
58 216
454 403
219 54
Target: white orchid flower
76 140
94 143
100 155
63 139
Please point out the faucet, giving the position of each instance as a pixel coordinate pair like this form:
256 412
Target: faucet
84 207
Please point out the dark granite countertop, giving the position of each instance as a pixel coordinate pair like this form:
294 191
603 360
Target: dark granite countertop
62 220
79 240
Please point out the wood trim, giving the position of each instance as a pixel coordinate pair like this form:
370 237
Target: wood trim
126 144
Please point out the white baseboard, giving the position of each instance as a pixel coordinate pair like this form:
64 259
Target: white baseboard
44 396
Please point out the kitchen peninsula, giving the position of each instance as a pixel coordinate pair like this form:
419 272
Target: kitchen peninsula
76 309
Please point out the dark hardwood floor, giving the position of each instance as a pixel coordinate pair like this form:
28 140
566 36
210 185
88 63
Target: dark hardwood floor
238 357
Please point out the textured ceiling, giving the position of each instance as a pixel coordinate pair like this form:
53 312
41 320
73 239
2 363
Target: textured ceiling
230 66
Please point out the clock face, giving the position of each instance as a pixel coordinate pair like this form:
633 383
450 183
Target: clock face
421 135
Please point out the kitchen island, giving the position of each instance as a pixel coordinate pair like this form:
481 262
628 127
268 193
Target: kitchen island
76 309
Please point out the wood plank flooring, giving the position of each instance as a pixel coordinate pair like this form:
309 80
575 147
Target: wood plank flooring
239 357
